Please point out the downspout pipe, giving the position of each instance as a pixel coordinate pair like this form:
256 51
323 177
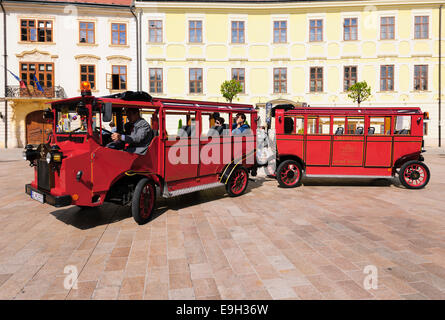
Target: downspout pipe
132 8
5 63
140 47
440 76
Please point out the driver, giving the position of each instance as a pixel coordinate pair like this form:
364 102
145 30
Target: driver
139 135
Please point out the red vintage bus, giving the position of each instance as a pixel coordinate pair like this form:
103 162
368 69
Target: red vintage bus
78 166
350 142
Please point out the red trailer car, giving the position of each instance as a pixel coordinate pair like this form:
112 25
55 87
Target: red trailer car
350 142
77 167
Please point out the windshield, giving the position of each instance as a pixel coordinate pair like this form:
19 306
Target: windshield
69 121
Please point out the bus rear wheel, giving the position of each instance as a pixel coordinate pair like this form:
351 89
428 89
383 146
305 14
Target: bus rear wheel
289 174
237 182
414 175
143 202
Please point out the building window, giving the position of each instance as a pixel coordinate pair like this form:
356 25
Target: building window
421 78
195 31
239 75
44 72
88 73
119 33
387 78
119 78
421 27
237 31
86 32
350 29
279 80
155 31
195 82
350 77
316 79
387 28
155 80
36 30
316 30
280 31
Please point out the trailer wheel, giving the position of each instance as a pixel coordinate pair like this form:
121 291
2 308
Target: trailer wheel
237 182
289 174
414 174
143 202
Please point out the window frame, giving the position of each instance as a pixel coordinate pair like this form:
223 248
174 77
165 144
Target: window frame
351 27
387 25
120 82
238 31
37 29
93 87
280 80
196 29
118 33
242 82
156 29
316 79
386 78
420 77
37 73
349 78
316 28
422 26
156 82
86 32
279 28
196 82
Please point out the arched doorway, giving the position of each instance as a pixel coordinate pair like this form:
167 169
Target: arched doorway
37 130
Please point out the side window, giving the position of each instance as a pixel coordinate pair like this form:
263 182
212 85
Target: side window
339 126
379 126
289 125
324 125
356 125
299 125
180 124
311 125
403 125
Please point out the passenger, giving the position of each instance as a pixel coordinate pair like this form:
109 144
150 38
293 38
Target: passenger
113 127
240 126
139 136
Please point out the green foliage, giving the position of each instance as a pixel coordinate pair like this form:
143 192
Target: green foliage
359 92
179 124
230 89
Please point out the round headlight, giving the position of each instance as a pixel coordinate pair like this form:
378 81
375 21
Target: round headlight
48 157
24 155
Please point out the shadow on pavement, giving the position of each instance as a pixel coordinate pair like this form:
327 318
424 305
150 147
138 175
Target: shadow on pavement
87 218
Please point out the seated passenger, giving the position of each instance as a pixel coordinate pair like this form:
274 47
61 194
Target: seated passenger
138 133
240 126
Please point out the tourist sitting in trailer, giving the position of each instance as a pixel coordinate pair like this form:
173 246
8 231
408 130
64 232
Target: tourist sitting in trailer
138 133
240 126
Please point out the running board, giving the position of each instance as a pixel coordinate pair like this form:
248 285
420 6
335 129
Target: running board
346 176
169 194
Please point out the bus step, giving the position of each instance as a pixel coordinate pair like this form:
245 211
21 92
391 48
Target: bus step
179 192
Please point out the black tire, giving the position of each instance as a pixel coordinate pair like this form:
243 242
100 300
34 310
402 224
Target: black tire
237 183
414 174
142 209
289 174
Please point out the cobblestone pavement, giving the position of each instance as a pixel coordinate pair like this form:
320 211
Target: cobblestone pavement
311 242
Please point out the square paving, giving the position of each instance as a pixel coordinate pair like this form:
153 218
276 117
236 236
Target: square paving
311 242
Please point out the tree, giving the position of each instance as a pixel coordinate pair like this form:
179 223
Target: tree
230 89
359 92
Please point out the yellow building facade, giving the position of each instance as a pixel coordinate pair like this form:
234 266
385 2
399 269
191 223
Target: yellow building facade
393 46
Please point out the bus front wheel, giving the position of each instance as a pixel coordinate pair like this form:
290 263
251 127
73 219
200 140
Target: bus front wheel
143 202
289 174
414 174
237 182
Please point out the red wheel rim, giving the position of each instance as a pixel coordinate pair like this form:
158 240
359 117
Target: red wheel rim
290 174
146 201
415 175
239 182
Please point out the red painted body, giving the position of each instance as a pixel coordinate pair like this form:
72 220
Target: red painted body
349 154
103 167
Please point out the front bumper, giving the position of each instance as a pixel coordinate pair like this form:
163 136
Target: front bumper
56 201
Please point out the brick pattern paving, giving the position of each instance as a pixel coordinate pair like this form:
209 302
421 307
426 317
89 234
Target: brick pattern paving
311 242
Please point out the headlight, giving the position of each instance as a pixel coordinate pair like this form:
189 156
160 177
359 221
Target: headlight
24 155
48 157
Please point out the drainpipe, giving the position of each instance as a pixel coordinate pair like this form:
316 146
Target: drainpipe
137 46
440 75
140 48
5 63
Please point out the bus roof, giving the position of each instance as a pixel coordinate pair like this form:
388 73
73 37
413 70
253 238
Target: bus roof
354 111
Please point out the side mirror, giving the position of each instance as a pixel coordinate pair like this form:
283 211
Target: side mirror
107 112
48 114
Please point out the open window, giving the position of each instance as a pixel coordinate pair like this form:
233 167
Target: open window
403 125
379 126
339 126
180 124
356 125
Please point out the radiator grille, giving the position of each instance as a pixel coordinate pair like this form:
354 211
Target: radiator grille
43 175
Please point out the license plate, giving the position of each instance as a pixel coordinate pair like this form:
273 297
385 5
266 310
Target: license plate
37 196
